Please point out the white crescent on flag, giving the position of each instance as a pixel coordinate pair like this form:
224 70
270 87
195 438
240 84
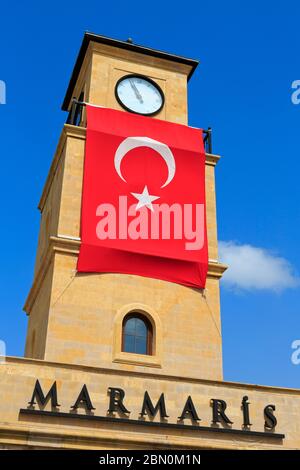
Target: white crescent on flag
131 143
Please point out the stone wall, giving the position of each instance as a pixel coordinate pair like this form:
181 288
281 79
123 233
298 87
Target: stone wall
18 377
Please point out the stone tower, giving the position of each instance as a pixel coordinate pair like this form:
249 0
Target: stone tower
77 318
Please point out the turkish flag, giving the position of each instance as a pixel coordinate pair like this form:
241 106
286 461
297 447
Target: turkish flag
143 202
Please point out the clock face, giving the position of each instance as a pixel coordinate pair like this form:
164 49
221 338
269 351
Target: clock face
139 94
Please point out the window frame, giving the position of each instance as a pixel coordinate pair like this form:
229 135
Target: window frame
149 327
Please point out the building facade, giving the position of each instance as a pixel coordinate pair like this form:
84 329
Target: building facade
77 386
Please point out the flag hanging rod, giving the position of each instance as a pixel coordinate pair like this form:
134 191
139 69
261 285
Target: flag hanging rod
74 118
84 103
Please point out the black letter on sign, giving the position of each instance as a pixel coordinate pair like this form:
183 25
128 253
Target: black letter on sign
189 411
83 399
219 407
116 400
270 419
39 396
245 408
149 408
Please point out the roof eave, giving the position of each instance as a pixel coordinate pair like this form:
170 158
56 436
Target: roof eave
88 37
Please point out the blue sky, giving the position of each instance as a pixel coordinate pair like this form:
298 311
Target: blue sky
249 58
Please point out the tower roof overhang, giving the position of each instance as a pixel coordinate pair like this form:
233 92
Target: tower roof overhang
91 37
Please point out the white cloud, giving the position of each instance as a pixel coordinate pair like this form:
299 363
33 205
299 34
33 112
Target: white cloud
250 267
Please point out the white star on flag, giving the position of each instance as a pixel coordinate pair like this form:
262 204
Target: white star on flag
145 199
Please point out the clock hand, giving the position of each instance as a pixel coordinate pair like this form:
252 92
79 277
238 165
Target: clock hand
136 91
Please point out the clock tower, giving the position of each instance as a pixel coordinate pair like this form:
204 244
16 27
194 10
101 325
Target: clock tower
120 361
78 318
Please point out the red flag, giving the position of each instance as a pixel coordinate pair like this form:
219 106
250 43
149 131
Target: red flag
143 203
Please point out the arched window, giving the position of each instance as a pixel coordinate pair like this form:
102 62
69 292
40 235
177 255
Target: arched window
137 334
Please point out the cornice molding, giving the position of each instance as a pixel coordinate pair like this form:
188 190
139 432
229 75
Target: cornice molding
77 132
211 159
216 269
55 245
70 246
41 436
18 360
